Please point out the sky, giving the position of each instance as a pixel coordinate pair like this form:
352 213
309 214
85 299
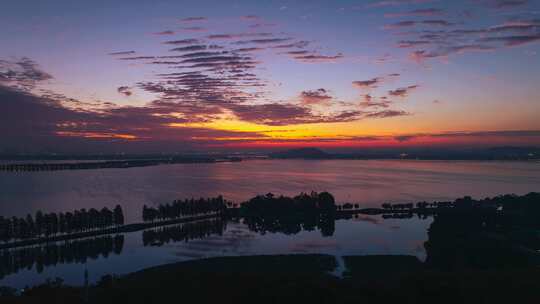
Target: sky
175 76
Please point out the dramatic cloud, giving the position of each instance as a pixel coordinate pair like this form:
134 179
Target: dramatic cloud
420 56
514 40
404 138
299 44
122 53
22 73
38 124
250 18
412 43
220 76
520 26
182 42
238 36
503 4
402 92
371 102
386 114
396 3
137 58
367 84
400 24
124 90
314 58
207 82
168 32
417 13
190 48
247 50
405 24
193 19
437 22
440 43
194 29
263 41
509 134
313 97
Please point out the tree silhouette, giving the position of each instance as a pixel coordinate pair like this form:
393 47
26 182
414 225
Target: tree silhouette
52 224
118 216
184 208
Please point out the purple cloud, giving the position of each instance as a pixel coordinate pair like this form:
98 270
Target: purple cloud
514 40
164 33
402 92
417 13
193 19
182 41
122 53
315 97
387 114
124 90
367 84
22 73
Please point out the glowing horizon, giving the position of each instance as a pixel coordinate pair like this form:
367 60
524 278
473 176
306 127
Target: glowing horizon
209 75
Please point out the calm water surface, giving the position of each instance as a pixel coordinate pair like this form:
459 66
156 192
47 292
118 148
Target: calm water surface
368 183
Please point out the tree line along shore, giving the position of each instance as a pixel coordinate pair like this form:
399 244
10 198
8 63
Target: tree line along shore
305 207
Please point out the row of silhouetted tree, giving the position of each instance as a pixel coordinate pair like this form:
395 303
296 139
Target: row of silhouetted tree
271 205
290 215
507 202
52 254
51 224
184 208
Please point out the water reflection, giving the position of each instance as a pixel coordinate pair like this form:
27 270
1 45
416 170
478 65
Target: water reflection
183 233
51 255
206 238
325 223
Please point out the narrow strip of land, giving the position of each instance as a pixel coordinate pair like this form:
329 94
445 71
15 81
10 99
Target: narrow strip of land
116 164
120 229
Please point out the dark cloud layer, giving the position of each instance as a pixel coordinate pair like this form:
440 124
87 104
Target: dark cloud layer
23 73
464 36
30 123
417 13
122 53
124 90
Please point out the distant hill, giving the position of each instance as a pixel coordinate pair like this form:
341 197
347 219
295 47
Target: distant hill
302 153
495 153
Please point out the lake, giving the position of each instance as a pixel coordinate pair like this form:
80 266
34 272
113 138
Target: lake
366 182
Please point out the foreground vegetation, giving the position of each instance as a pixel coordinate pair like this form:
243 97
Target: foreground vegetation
299 279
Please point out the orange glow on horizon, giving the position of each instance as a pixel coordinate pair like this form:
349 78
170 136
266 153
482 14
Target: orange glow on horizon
96 135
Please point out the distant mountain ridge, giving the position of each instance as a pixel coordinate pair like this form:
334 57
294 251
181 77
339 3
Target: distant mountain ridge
494 153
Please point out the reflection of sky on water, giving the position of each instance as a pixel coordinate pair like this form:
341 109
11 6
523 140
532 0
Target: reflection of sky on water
351 237
367 182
